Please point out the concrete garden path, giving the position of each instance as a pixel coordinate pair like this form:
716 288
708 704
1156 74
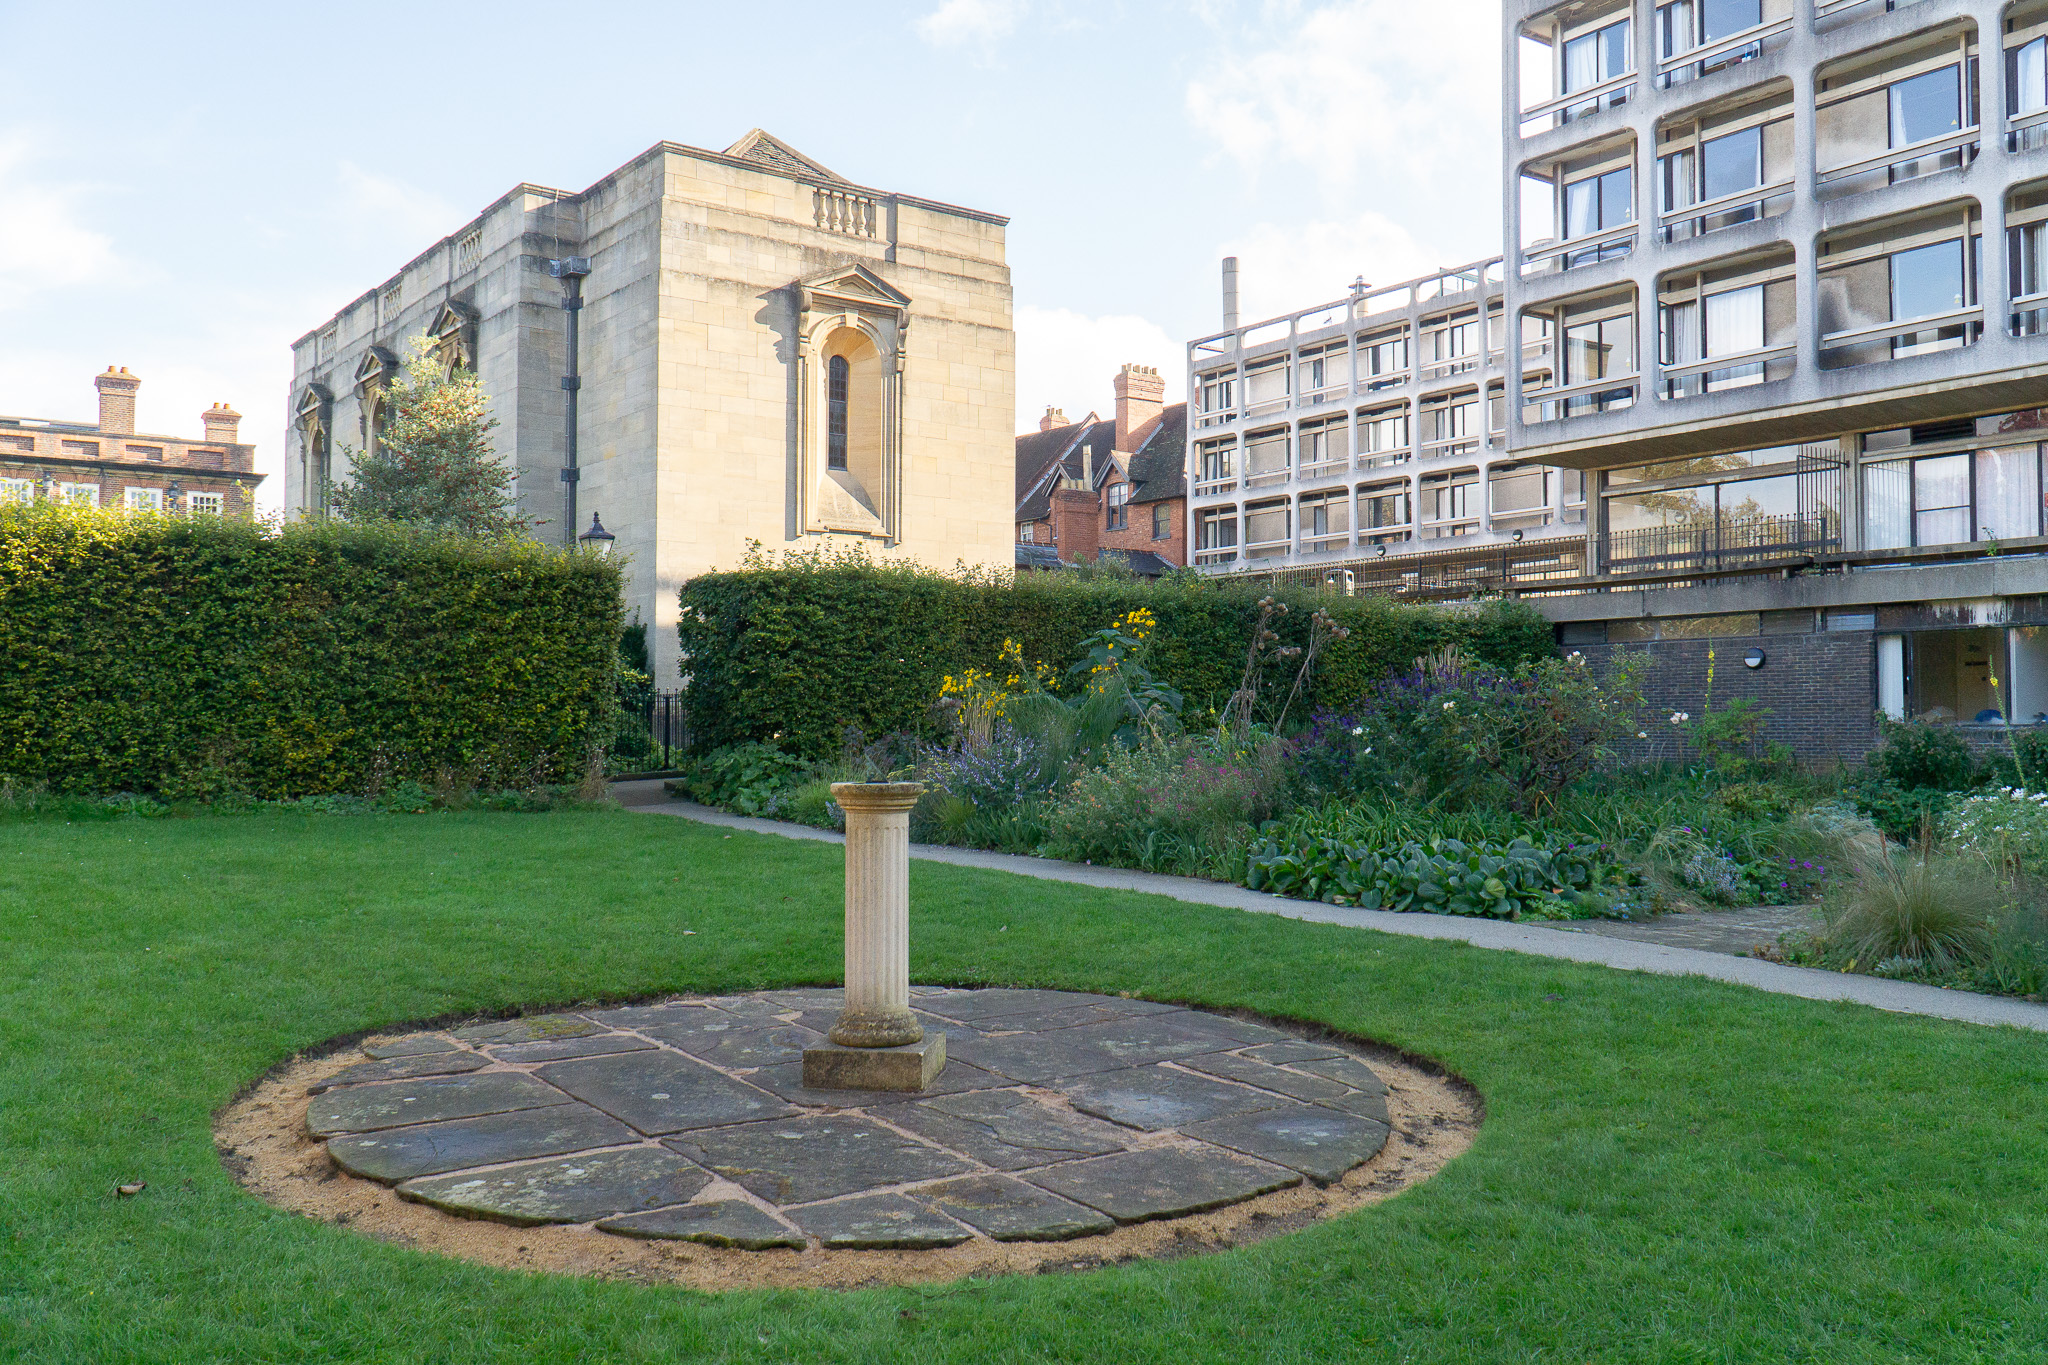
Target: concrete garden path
1608 950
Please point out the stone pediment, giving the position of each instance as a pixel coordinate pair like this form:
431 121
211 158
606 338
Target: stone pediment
852 287
378 362
777 155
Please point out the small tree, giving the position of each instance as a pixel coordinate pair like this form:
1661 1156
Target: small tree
433 464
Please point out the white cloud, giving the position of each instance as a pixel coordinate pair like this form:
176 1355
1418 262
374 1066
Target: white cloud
1286 267
970 23
1068 360
43 242
1387 97
391 208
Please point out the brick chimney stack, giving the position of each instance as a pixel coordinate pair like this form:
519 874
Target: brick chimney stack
1140 398
222 424
1053 418
117 401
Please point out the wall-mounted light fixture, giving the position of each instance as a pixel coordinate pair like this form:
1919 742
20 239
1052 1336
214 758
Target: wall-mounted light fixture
1753 659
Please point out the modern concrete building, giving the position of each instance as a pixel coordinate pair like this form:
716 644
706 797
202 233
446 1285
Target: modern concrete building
109 463
767 353
1796 393
1365 436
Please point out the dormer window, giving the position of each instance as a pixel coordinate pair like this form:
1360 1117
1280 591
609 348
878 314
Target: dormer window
837 371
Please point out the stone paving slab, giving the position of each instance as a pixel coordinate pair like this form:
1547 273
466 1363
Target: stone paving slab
693 1028
1231 1066
1006 1129
757 1047
403 1068
722 1223
1154 1098
1296 1050
530 1029
797 1161
968 1006
880 1220
1349 1070
1366 1104
1011 1211
1149 1038
395 1154
786 1081
366 1108
558 1049
412 1045
573 1189
1164 1182
1244 1030
662 1092
659 1012
1318 1142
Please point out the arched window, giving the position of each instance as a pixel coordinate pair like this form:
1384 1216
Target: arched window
835 412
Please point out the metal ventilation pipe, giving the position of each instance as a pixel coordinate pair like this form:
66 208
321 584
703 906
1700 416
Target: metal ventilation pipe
1230 292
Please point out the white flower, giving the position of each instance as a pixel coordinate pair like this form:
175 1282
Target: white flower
1680 717
1642 734
1450 706
1368 748
1359 730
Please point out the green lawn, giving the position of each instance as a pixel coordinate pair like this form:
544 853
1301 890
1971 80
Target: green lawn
1670 1170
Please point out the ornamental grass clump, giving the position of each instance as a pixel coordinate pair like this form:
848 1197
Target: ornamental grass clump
1171 804
1912 909
2007 827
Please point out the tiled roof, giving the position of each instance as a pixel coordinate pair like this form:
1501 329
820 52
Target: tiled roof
1143 562
1036 451
1159 471
1038 557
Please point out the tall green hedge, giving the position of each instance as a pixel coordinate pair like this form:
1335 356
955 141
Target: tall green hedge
801 651
200 656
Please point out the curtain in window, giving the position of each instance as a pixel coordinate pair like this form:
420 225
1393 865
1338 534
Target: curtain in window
1676 28
1941 500
2029 74
2025 244
1735 321
1926 105
1681 188
1582 62
1887 505
2008 493
1681 333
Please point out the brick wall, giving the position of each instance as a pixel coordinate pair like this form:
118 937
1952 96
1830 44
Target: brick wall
1821 690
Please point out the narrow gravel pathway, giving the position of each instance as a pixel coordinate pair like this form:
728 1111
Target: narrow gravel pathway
1605 949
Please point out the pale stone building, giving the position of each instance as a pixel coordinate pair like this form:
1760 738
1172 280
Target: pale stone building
767 353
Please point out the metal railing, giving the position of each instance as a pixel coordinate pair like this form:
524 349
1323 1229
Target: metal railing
1476 572
668 727
1719 544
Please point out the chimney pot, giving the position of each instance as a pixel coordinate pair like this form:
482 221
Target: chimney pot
222 423
1140 399
1053 418
117 401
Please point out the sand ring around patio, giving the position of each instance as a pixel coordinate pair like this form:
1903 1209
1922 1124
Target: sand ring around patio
675 1142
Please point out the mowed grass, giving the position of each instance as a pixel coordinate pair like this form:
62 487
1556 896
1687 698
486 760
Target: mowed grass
1670 1170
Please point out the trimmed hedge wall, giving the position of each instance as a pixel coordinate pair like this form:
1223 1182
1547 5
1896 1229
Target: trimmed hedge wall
191 657
801 651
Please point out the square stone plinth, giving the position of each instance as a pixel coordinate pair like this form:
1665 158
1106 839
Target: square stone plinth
909 1068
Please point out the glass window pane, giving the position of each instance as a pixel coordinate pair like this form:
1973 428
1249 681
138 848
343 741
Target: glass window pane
1887 505
1617 198
1582 62
1752 499
1614 49
2030 77
1926 106
1927 280
1720 18
1731 164
1735 321
1943 481
1581 208
2008 493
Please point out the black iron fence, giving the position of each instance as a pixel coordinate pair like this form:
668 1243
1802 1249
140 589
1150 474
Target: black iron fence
668 728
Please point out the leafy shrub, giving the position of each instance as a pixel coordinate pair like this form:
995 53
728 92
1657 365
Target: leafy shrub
1443 876
1170 805
2008 825
1901 814
752 779
201 657
796 652
1916 754
1460 734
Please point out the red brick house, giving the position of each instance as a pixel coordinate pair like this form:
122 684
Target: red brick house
1095 487
111 464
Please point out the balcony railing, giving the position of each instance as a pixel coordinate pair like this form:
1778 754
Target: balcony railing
1674 376
1759 198
1719 544
1963 143
1623 84
1724 47
2025 132
1537 259
1891 331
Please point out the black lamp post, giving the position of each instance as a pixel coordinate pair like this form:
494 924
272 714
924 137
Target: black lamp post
597 540
570 270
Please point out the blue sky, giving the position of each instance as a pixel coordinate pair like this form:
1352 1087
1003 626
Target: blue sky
187 189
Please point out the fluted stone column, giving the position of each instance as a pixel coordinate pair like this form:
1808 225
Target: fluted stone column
877 1044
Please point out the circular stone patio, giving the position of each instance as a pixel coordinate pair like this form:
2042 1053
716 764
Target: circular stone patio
1059 1116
